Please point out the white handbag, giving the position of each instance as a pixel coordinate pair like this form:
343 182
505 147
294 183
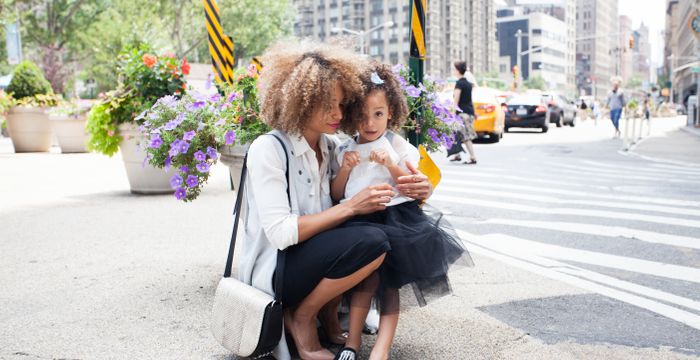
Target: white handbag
246 320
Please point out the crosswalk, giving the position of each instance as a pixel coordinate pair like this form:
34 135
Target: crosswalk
585 221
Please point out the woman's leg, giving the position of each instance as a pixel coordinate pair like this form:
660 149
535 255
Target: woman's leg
328 316
388 322
470 149
302 322
359 307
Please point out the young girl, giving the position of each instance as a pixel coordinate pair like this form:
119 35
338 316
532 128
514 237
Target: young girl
421 251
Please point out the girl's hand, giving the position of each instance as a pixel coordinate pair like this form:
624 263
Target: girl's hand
371 199
381 157
350 159
415 186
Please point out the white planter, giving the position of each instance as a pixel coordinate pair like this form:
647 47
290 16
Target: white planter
70 132
143 178
232 156
29 129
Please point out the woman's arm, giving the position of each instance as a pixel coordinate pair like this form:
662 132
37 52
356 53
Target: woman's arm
416 185
457 93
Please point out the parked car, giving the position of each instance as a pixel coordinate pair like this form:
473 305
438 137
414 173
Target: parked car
562 110
490 117
527 111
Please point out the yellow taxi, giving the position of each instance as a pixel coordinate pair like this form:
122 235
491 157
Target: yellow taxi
490 118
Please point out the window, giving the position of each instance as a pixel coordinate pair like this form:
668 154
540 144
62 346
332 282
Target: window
503 68
536 31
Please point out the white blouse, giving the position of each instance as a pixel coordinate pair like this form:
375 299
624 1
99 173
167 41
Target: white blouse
368 173
270 222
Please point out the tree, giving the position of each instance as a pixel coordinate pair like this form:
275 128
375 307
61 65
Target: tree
492 80
535 82
634 83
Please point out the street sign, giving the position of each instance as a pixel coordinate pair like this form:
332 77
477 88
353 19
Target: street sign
695 69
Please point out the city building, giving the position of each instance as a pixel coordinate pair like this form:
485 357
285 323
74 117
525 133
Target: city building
681 49
455 30
597 35
564 10
625 60
544 36
642 53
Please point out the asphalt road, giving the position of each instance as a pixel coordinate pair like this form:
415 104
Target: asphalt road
581 251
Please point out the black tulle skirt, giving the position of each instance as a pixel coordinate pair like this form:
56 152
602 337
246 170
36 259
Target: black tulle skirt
423 248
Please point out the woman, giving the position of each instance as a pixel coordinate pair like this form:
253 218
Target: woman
303 90
463 100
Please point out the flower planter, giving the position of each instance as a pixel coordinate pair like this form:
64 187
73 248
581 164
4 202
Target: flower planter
70 132
29 129
143 177
232 156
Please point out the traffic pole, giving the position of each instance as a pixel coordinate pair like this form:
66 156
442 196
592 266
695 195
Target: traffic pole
416 60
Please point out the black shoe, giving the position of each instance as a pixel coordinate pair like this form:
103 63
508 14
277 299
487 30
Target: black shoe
456 158
346 353
470 162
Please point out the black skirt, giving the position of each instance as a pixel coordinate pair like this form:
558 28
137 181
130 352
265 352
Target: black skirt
332 254
423 247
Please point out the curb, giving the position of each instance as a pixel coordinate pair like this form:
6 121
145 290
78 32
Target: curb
631 153
691 130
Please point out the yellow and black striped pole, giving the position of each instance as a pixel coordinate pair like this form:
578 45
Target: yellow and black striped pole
220 45
416 61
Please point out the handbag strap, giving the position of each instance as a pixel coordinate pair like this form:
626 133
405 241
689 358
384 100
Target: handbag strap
279 275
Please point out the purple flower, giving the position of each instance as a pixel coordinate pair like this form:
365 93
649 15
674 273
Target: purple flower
198 96
192 181
402 80
170 125
200 127
153 115
203 167
214 97
169 101
184 147
167 163
180 193
200 156
412 91
433 135
211 152
141 115
397 68
189 135
176 181
220 122
175 148
156 141
230 137
146 160
232 96
447 140
195 106
179 118
184 169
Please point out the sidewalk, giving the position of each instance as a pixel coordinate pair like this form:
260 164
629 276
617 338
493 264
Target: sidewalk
677 145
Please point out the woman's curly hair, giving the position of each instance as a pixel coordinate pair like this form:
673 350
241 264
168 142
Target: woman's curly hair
398 108
299 77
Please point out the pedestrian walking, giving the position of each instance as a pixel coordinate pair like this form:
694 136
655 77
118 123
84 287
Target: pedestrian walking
616 102
463 100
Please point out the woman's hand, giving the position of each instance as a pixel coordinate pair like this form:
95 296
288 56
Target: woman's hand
371 199
415 186
350 159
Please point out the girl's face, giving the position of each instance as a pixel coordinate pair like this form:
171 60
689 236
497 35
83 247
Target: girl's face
324 120
376 117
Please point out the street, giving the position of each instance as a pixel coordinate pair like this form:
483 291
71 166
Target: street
582 252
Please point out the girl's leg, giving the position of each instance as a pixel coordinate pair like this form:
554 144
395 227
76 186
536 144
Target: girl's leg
302 321
359 307
328 316
388 322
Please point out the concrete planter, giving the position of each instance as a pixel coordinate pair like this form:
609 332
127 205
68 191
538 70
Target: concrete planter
143 177
29 129
70 132
232 156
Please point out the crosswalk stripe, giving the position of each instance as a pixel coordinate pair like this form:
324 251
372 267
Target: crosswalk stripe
546 267
550 199
602 230
641 168
621 174
569 211
504 185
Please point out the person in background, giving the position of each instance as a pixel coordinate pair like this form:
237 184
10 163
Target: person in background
463 100
616 102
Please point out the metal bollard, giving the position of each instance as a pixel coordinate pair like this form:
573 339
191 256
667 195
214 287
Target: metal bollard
634 131
625 138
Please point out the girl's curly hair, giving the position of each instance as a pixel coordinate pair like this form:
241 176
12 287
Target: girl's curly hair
299 77
396 101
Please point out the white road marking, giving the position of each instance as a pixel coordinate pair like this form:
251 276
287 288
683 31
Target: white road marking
642 168
602 230
510 186
549 268
615 175
569 211
475 190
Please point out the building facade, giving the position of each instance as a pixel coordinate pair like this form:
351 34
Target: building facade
545 37
682 48
455 30
597 36
626 57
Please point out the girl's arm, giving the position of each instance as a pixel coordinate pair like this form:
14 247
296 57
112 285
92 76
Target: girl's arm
350 160
382 157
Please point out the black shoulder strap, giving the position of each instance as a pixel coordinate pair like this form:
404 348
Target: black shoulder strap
279 275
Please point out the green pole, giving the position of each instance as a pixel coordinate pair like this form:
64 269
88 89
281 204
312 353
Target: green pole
416 61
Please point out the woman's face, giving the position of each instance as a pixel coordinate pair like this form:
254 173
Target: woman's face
327 121
376 117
